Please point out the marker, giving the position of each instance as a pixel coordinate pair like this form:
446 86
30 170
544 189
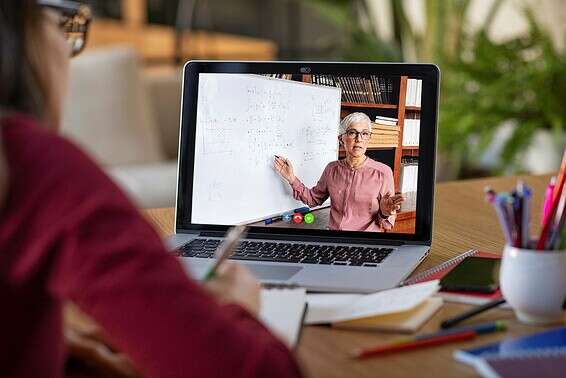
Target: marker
282 158
302 210
273 219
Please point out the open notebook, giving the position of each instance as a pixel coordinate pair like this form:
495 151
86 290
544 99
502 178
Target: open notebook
403 309
283 311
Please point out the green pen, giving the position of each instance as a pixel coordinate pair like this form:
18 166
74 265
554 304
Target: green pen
226 249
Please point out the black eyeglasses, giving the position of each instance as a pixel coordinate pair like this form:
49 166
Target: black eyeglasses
353 134
74 21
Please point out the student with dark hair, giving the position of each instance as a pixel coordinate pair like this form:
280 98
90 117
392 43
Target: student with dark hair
68 233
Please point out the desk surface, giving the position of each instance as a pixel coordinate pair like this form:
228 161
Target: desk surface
462 220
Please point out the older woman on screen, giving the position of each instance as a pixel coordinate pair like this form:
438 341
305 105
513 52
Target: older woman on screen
361 190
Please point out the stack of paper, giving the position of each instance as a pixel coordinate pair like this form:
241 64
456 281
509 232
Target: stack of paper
403 309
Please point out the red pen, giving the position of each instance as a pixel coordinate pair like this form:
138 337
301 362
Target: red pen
397 347
548 200
541 244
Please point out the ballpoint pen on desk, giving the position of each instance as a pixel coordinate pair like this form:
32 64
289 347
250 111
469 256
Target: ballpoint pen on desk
448 323
226 249
431 339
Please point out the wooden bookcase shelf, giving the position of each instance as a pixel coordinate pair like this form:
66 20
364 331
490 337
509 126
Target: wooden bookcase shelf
368 105
402 109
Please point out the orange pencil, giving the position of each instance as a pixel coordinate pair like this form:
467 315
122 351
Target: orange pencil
397 347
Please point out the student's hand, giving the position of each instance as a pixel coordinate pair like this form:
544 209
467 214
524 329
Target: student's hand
389 205
85 341
284 167
234 283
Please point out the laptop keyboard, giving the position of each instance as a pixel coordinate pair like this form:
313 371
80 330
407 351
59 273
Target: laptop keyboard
291 252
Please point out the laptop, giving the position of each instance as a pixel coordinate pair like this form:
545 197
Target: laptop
335 226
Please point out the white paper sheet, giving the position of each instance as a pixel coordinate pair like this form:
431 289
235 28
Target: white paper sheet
329 308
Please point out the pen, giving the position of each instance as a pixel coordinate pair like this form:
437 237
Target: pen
548 200
226 249
557 222
526 216
397 347
499 203
559 187
468 314
431 339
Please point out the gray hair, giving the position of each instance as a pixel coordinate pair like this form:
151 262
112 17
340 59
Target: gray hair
353 118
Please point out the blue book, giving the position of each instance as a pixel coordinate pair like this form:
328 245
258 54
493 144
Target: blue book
553 340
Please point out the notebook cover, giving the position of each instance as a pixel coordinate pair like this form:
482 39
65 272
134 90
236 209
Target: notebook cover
550 340
460 296
541 364
405 321
283 311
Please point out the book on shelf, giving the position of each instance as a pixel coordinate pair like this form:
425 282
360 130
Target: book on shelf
280 76
411 132
387 121
369 89
409 179
413 95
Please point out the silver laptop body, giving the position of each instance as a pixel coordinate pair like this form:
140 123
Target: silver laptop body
408 250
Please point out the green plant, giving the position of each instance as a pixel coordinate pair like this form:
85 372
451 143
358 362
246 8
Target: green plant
484 83
522 80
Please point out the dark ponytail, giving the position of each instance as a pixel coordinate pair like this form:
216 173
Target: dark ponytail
20 89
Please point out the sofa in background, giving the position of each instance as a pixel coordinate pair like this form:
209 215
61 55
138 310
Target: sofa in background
127 119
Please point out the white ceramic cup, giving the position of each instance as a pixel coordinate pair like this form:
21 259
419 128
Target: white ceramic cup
534 284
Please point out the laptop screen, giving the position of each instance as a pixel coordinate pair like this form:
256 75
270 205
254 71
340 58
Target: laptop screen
331 152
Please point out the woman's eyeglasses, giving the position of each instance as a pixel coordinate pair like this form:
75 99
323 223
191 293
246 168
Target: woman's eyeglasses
353 134
74 21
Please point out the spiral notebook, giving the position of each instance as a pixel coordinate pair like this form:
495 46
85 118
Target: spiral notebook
441 270
548 364
552 341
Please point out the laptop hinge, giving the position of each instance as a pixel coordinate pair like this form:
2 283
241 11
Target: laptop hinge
318 239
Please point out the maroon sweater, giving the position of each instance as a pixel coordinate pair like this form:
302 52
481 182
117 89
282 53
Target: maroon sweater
67 232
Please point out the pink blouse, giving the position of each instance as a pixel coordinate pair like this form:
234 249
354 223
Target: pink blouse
354 195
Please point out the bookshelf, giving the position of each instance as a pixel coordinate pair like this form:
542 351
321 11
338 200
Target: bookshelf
398 107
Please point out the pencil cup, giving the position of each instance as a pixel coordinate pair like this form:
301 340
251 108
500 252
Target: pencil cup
534 284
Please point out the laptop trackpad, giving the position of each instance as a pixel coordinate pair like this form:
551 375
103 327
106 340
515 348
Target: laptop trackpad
273 272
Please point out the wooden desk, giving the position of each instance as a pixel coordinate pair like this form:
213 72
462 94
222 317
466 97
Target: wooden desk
462 220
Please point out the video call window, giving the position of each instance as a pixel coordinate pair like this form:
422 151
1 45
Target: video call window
307 151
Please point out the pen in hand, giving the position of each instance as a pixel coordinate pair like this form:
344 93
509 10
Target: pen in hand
226 249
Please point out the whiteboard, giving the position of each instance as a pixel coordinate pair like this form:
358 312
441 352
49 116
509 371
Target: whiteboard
242 121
